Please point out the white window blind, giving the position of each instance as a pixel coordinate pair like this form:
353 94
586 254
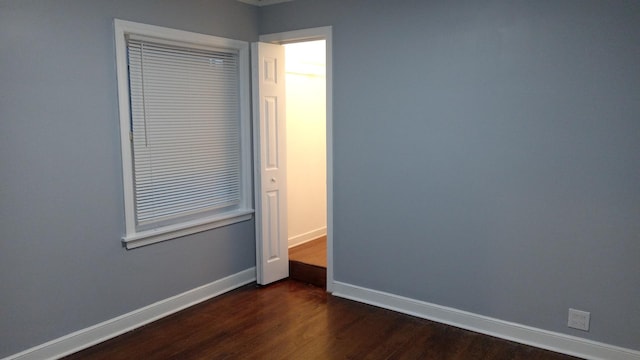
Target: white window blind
185 126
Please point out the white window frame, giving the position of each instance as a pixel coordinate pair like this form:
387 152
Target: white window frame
134 237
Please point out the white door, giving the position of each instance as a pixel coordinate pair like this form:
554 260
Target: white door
267 65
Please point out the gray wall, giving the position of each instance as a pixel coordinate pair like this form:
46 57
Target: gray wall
487 157
62 266
487 154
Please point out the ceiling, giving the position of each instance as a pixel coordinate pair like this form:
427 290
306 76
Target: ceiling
263 2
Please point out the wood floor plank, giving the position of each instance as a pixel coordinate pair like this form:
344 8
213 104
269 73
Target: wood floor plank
313 252
292 320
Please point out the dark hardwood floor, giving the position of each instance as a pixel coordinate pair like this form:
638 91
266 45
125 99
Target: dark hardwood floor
313 252
292 320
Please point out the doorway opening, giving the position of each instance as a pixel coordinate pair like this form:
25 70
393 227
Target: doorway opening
309 69
305 83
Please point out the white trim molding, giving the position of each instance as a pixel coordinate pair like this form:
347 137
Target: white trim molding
306 237
523 334
152 236
109 329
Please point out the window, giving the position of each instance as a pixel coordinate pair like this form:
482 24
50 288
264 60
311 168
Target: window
183 100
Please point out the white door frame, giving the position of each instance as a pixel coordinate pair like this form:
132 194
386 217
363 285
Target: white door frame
319 33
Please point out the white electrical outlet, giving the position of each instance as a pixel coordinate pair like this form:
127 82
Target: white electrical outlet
579 319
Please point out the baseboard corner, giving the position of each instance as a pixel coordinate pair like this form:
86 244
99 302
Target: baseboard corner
306 237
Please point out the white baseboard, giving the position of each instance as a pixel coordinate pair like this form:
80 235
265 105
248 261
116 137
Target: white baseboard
308 236
540 338
98 333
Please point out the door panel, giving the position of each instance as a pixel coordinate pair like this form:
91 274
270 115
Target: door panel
272 261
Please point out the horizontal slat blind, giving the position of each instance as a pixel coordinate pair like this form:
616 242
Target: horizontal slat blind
186 130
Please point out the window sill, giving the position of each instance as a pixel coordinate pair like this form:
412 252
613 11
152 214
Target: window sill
148 237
